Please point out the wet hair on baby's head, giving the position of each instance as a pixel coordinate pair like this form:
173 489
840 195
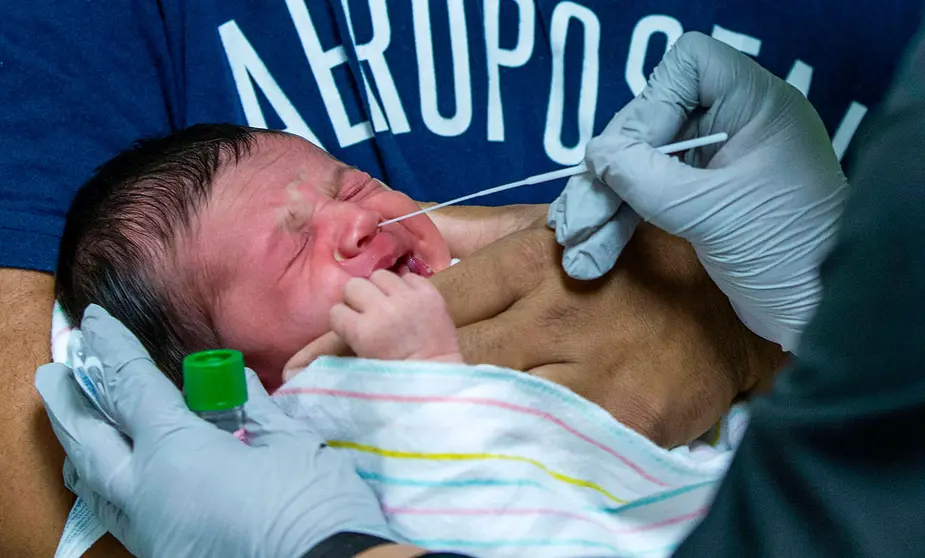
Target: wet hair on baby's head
119 244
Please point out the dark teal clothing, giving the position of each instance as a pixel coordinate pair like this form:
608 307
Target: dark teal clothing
833 463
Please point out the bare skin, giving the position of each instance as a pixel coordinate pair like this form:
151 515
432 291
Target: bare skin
33 501
392 551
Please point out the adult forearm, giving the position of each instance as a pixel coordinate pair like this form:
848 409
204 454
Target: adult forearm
33 501
468 228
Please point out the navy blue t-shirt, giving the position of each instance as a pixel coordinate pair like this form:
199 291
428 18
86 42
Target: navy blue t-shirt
435 98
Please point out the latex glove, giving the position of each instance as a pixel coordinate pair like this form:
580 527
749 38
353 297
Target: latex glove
176 485
761 210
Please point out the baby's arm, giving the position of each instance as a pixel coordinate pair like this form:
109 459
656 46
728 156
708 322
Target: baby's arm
396 318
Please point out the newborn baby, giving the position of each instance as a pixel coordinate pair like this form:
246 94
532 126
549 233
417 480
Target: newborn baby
226 236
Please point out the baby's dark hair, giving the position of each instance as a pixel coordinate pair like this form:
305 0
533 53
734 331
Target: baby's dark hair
119 240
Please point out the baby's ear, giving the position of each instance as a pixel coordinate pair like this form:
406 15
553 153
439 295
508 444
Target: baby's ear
329 344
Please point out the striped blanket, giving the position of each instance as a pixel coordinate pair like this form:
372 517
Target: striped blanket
492 462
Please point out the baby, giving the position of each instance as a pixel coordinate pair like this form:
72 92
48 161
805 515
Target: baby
226 236
223 236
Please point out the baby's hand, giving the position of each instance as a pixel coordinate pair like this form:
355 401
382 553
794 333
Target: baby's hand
393 318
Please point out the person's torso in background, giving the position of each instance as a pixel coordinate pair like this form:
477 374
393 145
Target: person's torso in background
439 98
443 98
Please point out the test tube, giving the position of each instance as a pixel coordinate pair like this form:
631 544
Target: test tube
215 388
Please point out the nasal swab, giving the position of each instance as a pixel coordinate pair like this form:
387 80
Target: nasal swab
561 173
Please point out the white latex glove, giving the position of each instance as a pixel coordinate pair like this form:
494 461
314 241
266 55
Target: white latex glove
176 485
761 210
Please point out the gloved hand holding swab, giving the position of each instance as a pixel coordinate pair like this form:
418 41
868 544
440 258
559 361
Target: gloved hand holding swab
561 173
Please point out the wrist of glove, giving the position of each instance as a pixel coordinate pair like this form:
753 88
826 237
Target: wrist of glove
174 485
761 210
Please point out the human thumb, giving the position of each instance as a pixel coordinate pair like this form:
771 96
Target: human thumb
266 422
651 182
330 344
110 517
597 254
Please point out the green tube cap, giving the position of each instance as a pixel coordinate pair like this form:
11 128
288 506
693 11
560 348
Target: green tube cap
214 380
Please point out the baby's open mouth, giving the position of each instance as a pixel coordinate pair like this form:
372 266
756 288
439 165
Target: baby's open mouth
411 264
385 251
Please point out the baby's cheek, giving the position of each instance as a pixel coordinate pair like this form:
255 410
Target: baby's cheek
315 306
302 319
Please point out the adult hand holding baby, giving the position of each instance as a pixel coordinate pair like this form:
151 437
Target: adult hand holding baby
278 496
654 342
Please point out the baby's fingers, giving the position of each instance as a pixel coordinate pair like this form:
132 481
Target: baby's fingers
388 282
419 283
344 321
361 294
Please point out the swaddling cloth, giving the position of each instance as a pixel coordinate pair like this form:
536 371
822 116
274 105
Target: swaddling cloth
490 461
493 462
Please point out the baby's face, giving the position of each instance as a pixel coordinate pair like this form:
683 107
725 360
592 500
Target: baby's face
285 229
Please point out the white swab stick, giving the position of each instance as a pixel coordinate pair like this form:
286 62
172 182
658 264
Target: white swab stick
561 173
693 143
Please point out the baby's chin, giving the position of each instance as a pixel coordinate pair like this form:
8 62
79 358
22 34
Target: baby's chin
272 369
271 379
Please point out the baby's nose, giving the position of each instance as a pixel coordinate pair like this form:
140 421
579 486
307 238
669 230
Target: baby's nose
359 227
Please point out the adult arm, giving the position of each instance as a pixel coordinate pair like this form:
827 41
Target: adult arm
70 101
831 464
33 500
31 457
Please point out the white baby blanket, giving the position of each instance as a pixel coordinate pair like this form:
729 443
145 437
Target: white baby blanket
493 462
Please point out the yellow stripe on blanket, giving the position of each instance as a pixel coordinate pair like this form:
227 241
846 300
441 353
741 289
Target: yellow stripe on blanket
398 454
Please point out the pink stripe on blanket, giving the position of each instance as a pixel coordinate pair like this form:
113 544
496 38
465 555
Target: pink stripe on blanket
476 401
60 332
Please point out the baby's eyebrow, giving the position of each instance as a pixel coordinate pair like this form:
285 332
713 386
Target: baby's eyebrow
337 177
294 213
293 218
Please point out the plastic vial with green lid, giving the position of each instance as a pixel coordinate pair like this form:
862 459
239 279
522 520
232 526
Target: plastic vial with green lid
215 387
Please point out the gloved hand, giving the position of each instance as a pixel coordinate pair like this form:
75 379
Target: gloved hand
176 485
761 210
